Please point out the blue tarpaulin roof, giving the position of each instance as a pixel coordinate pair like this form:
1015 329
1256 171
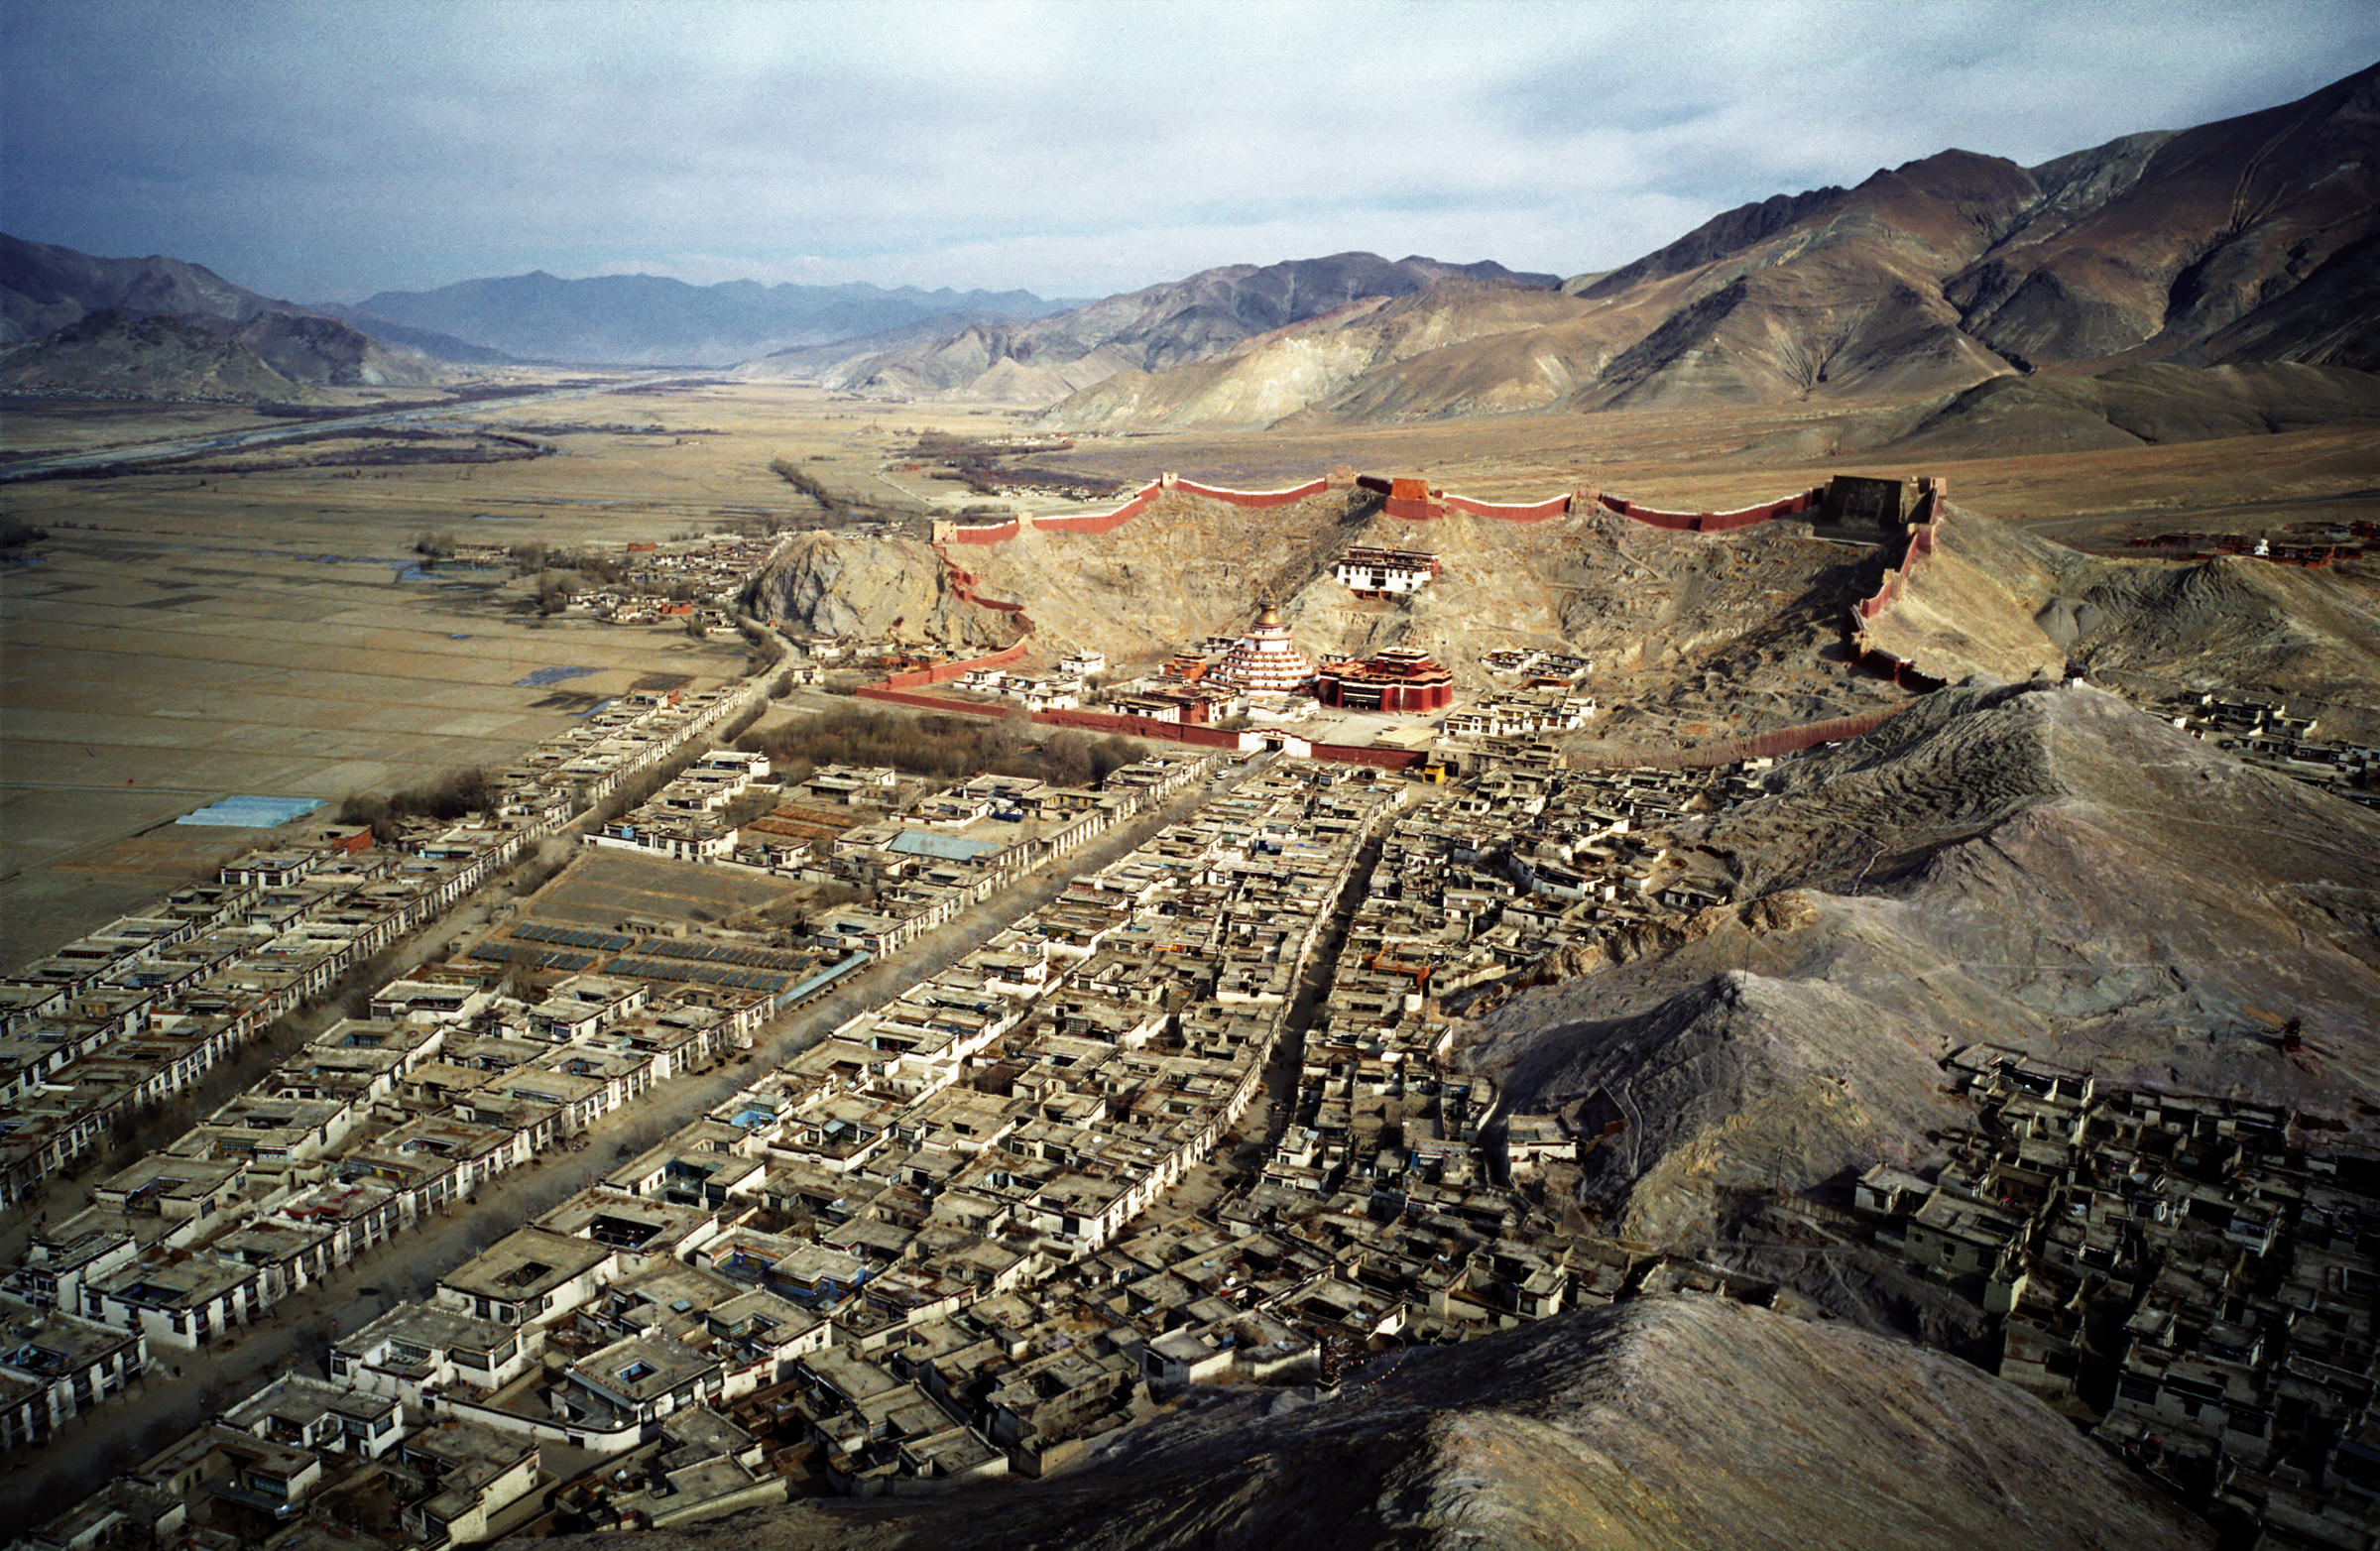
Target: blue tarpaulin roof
252 812
946 848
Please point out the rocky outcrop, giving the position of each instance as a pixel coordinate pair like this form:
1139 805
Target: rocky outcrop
875 588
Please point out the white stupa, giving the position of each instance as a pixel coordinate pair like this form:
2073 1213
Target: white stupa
1266 660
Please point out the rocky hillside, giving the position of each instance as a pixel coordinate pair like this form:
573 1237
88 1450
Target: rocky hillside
44 289
2252 239
875 588
111 354
1675 617
2031 866
1997 601
1683 1424
1275 376
1150 330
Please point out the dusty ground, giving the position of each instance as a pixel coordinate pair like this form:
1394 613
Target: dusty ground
604 887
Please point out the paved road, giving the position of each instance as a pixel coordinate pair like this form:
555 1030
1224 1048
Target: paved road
185 1389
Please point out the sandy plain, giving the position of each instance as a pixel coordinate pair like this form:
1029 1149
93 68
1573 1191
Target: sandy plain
185 635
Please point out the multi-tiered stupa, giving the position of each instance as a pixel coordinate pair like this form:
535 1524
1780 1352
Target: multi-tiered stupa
1266 660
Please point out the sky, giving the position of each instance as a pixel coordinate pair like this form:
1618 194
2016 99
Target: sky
324 151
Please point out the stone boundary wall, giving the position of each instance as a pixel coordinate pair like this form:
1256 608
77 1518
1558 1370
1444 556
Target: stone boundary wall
928 702
1192 734
1196 734
1769 745
1381 759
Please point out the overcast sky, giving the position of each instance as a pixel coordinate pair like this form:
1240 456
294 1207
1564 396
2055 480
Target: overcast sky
324 151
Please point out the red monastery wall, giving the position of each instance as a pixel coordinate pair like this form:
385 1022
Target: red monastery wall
1709 522
1254 498
1862 650
1103 522
944 672
1556 507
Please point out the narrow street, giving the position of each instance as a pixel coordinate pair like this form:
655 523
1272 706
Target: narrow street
184 1388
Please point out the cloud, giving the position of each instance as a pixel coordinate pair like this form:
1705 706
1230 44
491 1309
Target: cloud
329 149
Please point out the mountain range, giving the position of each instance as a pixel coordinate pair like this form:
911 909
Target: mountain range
165 328
2248 241
651 320
1153 330
2254 239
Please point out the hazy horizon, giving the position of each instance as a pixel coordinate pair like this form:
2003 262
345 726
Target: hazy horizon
324 151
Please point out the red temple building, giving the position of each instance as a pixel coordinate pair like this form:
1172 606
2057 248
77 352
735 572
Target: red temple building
1396 679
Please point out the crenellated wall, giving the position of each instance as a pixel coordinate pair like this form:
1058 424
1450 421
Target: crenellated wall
944 672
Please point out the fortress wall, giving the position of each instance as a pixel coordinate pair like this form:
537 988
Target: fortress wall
1254 498
1864 654
1535 513
1710 522
985 532
1102 522
1193 733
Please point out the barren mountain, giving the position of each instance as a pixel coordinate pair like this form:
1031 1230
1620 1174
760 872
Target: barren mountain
143 358
44 289
1274 376
1152 330
2252 239
1670 1423
2032 865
